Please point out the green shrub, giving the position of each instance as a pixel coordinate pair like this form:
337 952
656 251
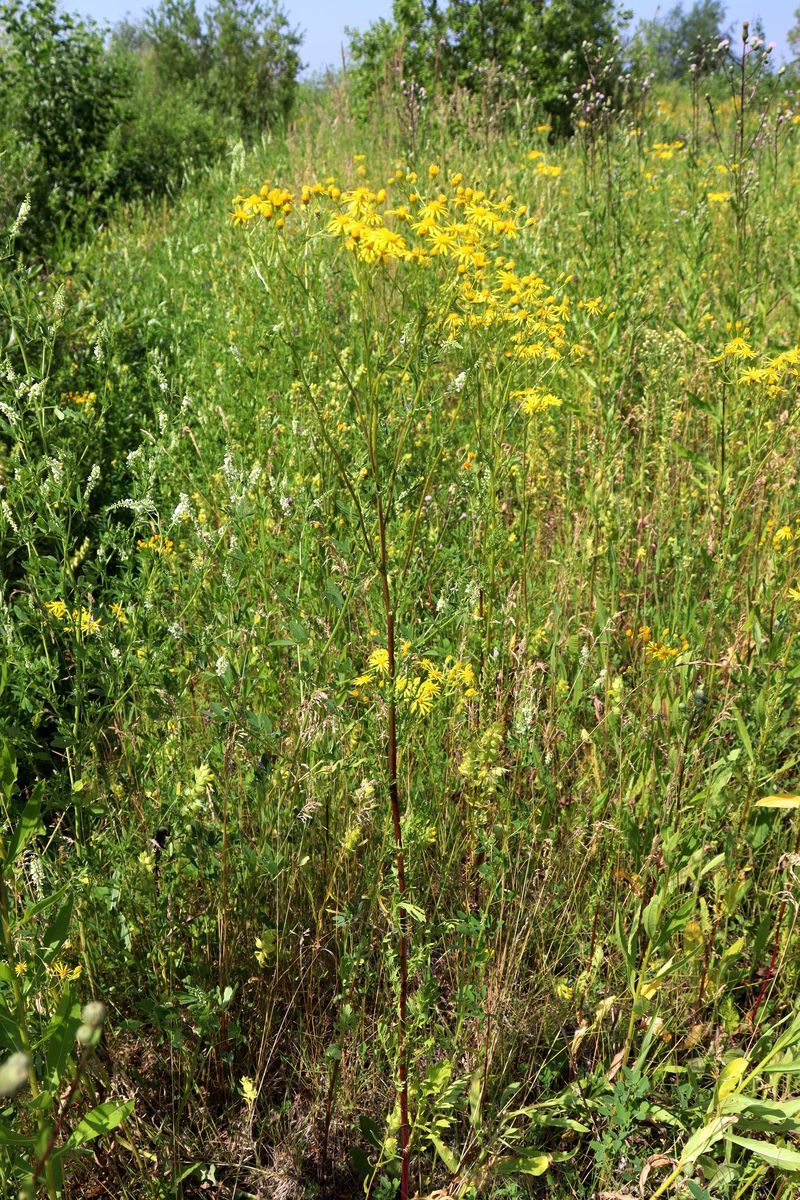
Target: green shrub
60 96
86 119
165 133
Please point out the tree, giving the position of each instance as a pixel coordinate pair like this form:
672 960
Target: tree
242 56
794 34
253 61
685 40
60 94
535 47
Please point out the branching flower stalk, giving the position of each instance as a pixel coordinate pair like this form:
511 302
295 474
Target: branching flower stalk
369 425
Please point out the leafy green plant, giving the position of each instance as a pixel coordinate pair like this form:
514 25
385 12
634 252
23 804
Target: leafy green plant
49 1040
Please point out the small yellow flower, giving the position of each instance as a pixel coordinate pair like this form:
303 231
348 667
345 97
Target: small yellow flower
379 661
738 348
249 1090
57 609
63 973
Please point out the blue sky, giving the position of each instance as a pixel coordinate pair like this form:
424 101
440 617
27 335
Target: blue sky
324 21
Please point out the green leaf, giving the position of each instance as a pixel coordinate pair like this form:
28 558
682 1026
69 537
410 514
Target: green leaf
530 1163
703 1139
9 1138
445 1153
99 1121
57 932
786 1068
40 906
8 771
729 1080
771 1110
475 1097
651 916
744 736
333 594
776 1156
27 825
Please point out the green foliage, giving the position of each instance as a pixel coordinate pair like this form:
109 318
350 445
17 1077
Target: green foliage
504 51
196 425
60 95
241 56
46 1040
88 120
164 133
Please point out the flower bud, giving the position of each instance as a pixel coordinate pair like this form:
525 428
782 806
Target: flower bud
93 1014
14 1073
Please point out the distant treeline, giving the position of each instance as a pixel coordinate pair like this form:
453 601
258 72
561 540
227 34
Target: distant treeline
89 116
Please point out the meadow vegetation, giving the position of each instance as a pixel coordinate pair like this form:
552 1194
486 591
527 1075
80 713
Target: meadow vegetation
399 691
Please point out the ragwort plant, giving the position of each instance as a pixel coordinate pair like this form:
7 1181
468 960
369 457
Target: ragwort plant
426 279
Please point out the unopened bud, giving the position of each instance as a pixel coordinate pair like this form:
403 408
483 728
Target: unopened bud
14 1073
93 1014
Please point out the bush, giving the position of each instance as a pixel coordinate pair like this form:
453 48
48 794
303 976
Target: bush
242 57
165 133
86 119
60 95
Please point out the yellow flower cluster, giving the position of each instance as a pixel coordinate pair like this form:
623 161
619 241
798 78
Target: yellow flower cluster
420 684
456 231
535 400
664 650
80 619
157 544
784 539
666 150
80 397
775 373
268 203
